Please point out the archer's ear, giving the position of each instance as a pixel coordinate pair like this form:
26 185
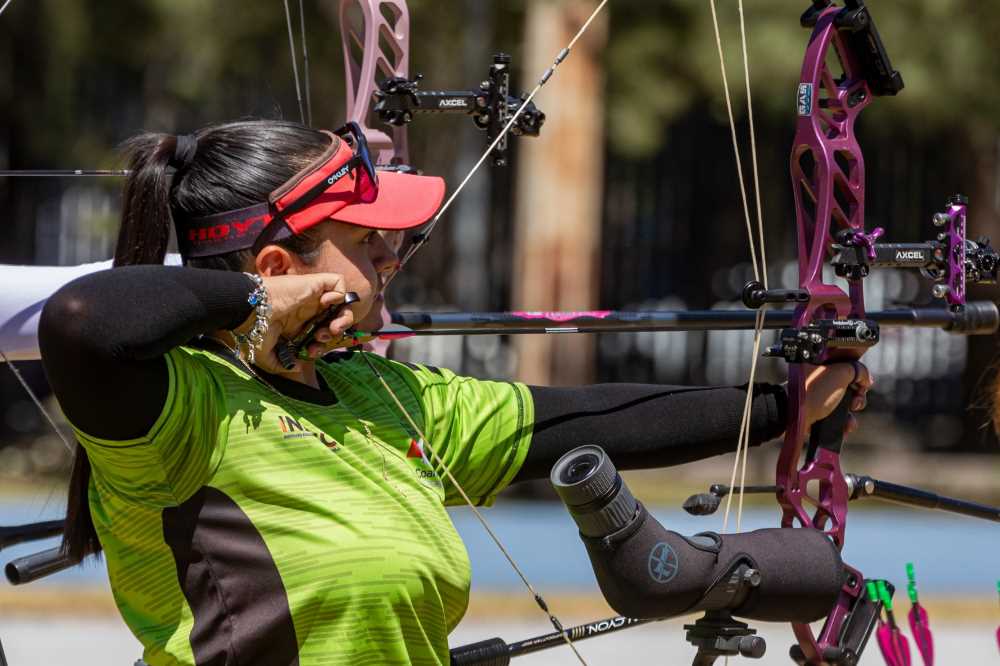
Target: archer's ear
274 260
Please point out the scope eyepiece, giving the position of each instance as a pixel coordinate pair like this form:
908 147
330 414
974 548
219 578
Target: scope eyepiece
593 491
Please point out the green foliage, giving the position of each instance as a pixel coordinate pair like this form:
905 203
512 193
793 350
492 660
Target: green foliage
662 62
85 76
79 77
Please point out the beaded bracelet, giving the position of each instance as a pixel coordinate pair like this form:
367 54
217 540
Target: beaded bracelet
258 298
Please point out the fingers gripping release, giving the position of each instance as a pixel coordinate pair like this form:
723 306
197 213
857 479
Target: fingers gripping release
288 350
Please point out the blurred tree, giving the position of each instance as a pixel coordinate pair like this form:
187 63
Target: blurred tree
77 78
662 62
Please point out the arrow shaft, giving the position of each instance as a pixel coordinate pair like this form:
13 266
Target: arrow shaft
504 323
61 173
496 651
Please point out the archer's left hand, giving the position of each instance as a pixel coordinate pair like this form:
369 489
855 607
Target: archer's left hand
825 388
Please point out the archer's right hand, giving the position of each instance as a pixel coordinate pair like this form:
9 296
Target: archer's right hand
295 300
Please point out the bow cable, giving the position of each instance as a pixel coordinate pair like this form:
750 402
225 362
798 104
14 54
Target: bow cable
759 270
539 600
295 64
5 6
759 327
415 245
421 238
32 394
305 62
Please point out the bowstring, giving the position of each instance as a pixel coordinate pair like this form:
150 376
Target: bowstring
305 62
538 599
295 63
759 323
759 270
416 245
562 55
31 394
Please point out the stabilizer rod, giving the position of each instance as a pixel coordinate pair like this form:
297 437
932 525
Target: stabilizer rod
866 486
30 568
860 487
14 534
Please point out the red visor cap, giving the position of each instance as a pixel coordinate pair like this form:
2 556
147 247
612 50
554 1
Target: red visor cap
403 201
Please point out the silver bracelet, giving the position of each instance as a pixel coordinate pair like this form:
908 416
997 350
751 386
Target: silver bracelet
258 298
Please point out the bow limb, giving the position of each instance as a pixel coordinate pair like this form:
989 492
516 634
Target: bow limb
375 35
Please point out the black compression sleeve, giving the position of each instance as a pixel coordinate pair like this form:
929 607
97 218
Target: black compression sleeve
103 337
645 426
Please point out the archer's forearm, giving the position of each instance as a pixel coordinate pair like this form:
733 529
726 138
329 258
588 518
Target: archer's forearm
112 328
644 426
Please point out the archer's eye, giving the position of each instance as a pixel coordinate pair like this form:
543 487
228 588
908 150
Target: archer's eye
369 237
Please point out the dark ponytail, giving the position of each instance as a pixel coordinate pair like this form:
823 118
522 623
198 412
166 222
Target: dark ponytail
235 165
146 217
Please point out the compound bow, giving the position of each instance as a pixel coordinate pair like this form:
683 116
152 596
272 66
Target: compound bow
828 325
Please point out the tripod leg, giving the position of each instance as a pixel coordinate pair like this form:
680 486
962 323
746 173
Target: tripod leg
704 659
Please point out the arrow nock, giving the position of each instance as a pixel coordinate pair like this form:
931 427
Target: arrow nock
873 590
883 595
911 586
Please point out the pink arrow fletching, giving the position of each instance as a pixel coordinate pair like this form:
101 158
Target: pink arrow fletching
895 648
395 336
563 316
920 627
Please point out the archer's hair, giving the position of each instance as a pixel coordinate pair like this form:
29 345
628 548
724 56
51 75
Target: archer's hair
236 165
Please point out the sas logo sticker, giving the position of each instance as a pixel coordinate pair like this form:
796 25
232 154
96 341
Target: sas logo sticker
805 99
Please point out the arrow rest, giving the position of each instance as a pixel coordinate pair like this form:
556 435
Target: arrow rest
809 344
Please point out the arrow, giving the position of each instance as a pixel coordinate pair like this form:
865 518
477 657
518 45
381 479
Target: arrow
895 648
998 628
919 621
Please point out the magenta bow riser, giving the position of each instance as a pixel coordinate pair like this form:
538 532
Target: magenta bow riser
828 179
954 219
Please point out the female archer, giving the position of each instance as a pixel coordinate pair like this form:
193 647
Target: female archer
255 513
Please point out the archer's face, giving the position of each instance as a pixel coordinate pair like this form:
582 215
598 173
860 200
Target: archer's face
361 256
374 320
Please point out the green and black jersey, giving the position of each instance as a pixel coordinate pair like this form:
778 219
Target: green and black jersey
275 531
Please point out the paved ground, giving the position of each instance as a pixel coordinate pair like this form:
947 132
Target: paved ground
104 642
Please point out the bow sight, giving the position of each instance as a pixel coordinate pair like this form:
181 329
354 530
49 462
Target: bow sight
951 261
491 106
